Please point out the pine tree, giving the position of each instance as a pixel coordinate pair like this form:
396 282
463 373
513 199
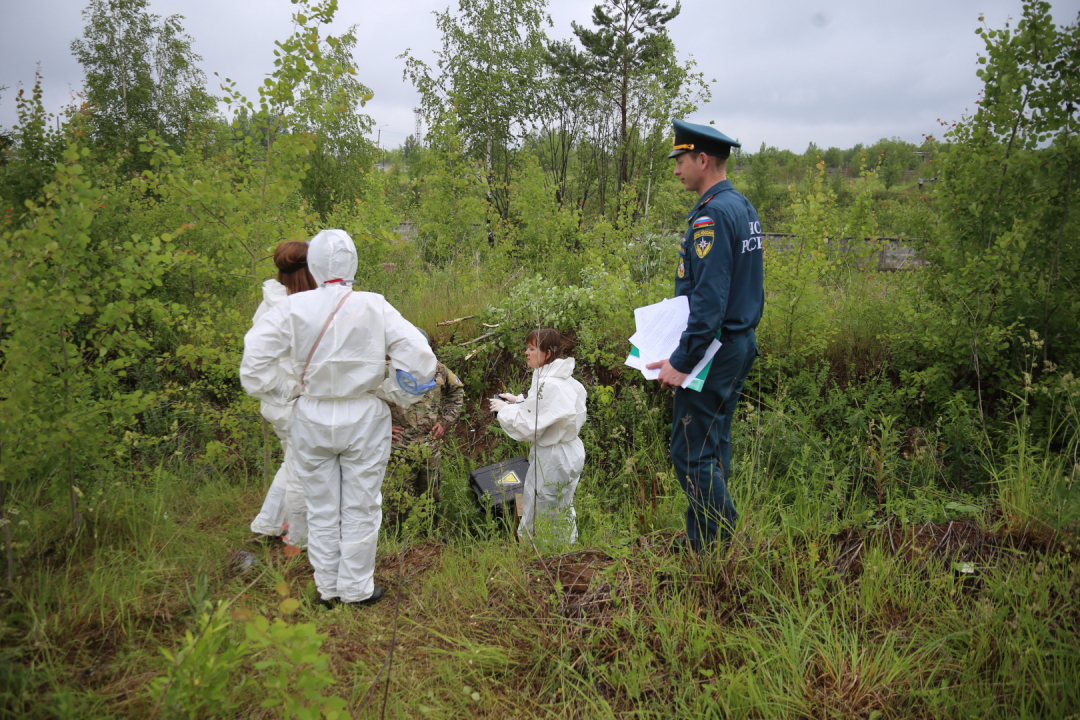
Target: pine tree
629 36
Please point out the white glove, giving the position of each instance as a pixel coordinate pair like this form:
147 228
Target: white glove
496 405
511 398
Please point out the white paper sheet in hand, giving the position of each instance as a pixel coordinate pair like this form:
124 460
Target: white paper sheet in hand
660 327
637 363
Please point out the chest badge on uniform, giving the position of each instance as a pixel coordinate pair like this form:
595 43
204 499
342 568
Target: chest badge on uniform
681 272
703 245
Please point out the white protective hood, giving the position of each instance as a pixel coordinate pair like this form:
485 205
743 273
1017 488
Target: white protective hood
554 409
332 256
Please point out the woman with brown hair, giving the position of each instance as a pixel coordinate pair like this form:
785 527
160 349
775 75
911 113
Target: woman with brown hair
285 497
291 261
550 417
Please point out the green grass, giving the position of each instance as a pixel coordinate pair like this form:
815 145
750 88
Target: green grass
428 295
844 594
814 611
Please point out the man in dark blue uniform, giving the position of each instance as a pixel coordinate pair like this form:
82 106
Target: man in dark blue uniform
720 271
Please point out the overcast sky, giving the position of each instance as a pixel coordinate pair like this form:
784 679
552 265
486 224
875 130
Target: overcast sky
788 72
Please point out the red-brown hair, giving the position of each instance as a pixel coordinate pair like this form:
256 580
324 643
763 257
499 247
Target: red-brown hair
291 260
546 340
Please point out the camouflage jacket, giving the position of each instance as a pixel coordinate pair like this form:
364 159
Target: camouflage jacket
442 404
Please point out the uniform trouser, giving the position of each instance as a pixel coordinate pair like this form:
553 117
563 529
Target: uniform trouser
701 440
341 451
550 484
284 501
410 474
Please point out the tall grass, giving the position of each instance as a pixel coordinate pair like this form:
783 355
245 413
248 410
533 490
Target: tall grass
862 581
778 624
428 294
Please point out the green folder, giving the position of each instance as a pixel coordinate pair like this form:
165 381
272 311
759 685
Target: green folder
695 384
699 382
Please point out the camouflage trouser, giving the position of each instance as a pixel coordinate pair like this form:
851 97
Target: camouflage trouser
411 486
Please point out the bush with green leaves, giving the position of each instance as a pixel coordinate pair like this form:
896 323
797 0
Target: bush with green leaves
895 157
538 302
297 672
74 306
454 219
798 323
1003 259
209 675
28 159
540 229
205 676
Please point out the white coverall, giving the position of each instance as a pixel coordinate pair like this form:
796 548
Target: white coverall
340 432
286 496
550 418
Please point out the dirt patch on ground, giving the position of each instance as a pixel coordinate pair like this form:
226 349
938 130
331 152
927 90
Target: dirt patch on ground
592 584
417 560
956 541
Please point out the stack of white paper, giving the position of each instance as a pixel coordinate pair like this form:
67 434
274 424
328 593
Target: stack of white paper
659 329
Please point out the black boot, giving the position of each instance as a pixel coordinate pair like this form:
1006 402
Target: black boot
376 596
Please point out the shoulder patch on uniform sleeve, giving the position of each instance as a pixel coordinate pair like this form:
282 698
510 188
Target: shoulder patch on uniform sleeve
703 245
703 222
682 269
453 378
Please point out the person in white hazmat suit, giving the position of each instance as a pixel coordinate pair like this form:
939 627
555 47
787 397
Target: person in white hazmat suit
550 417
337 341
284 501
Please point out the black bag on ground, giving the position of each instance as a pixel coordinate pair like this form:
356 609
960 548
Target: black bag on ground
497 484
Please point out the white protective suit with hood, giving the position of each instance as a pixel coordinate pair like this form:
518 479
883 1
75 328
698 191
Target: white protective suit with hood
550 418
340 432
286 496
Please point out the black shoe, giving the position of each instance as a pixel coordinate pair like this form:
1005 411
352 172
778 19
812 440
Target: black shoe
376 596
328 604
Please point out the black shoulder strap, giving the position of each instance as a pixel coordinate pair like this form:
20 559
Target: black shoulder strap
706 202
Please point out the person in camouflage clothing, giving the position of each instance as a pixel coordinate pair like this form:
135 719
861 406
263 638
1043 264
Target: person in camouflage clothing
412 476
